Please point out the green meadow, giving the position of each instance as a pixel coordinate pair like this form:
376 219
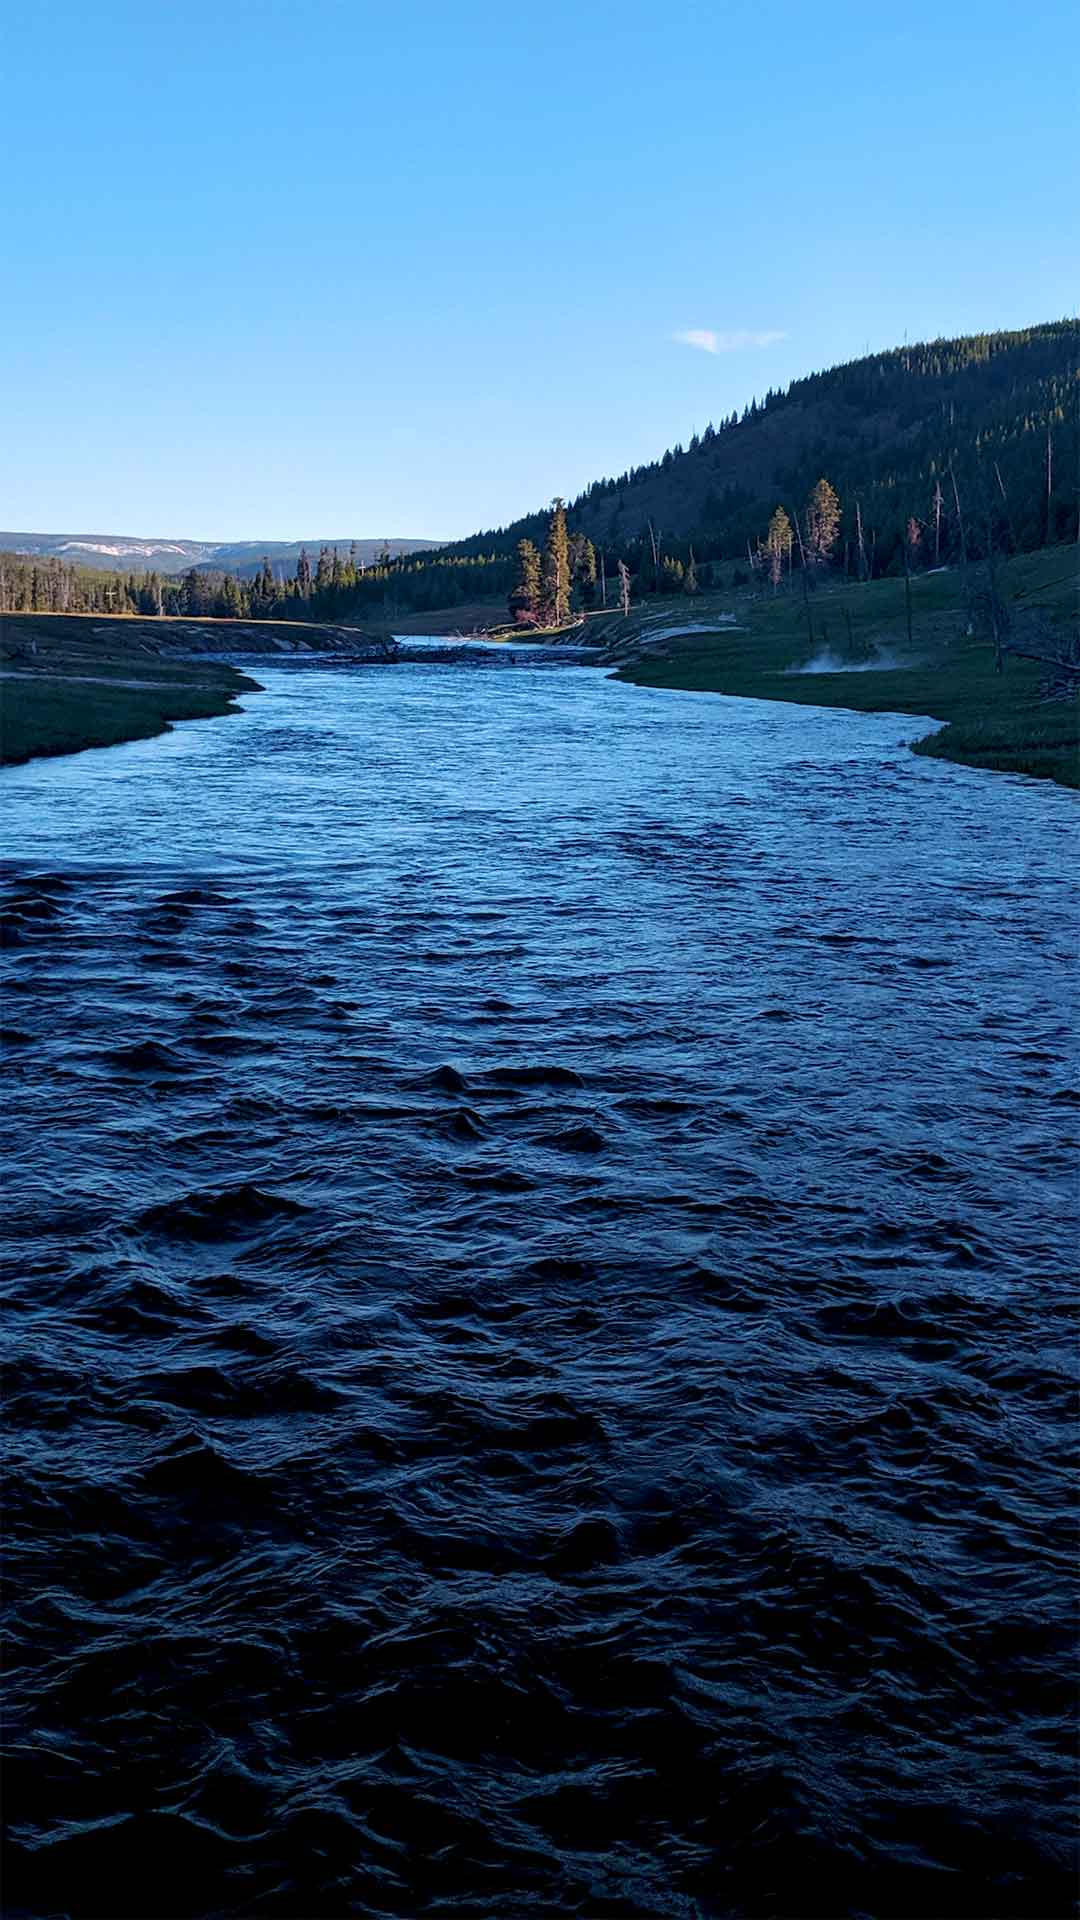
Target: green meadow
994 720
72 681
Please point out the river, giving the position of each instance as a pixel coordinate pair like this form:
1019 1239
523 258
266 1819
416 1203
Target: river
539 1224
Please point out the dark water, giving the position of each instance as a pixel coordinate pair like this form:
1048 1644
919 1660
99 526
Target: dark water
538 1232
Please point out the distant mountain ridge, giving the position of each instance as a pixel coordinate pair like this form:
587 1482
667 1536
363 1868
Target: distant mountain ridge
122 553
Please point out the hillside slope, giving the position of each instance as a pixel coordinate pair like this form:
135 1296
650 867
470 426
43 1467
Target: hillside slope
884 430
948 448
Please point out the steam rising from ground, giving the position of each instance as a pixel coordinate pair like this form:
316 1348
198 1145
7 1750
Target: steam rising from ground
828 662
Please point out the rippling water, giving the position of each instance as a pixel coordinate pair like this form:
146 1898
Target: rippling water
539 1220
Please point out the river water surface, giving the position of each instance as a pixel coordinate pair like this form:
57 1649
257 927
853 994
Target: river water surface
539 1218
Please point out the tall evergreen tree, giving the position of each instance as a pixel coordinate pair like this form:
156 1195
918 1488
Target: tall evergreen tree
822 523
232 597
525 592
778 544
585 569
556 570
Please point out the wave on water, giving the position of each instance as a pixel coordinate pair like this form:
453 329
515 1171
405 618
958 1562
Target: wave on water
566 1405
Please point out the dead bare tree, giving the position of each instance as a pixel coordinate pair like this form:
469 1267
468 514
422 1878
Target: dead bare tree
804 575
624 587
998 612
1036 639
1005 507
860 540
654 542
959 520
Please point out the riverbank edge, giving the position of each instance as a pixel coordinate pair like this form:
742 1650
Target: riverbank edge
59 715
946 742
915 647
72 682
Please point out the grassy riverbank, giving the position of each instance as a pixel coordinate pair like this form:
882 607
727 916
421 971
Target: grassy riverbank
992 720
73 681
77 680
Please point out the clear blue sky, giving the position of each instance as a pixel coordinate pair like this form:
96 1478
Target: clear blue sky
278 270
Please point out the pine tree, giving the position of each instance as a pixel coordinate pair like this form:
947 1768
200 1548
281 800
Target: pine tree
525 592
822 523
556 569
583 567
778 544
303 575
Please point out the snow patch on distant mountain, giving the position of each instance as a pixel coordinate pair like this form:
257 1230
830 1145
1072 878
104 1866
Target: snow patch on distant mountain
245 557
124 549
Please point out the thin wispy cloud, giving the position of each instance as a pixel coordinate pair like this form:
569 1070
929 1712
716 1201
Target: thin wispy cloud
708 340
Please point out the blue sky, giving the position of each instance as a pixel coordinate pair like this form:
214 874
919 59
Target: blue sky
280 270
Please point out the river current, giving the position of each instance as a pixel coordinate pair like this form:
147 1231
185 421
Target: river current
539 1225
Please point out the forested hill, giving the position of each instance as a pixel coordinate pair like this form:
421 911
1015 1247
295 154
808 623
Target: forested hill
936 451
922 456
882 429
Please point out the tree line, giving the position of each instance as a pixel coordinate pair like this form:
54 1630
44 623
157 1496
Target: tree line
940 453
334 588
990 408
548 585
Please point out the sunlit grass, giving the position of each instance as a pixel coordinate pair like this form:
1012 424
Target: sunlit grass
90 681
